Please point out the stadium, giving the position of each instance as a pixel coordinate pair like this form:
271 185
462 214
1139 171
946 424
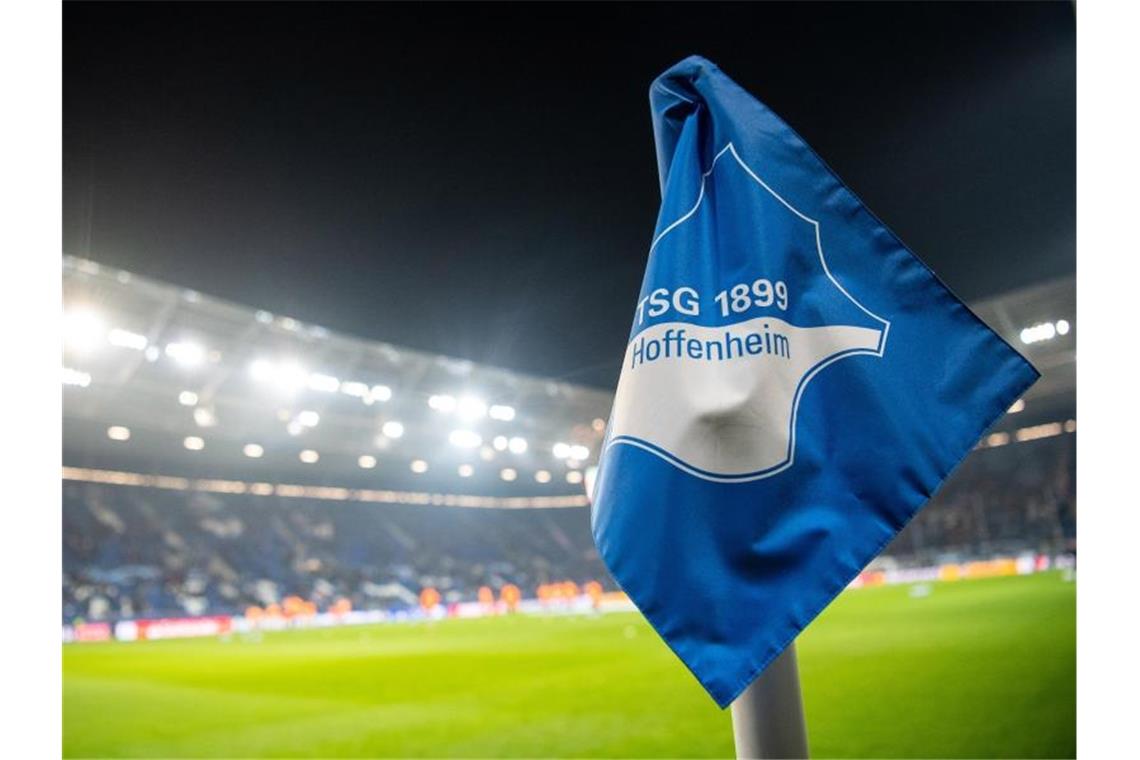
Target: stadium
279 509
615 381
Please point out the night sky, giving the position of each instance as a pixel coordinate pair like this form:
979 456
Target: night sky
480 180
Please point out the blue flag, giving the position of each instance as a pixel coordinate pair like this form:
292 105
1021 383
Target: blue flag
796 386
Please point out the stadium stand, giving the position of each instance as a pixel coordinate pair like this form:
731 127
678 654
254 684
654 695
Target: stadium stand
150 552
206 472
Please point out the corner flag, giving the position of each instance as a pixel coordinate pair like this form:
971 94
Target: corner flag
796 386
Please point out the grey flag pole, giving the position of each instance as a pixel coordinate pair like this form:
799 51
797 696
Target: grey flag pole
768 717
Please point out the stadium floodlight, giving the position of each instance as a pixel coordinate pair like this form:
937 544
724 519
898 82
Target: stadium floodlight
127 339
193 443
380 393
119 433
264 317
599 425
366 461
309 418
542 476
188 398
295 428
1017 406
354 388
471 408
508 474
419 466
288 377
442 402
76 378
574 477
186 353
152 353
465 439
993 440
392 429
561 450
500 443
252 450
486 453
1038 333
83 329
204 417
1070 426
517 445
579 452
1034 432
465 470
501 412
323 383
1062 327
261 370
308 456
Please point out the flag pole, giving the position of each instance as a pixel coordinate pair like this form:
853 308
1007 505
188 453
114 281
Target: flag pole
768 717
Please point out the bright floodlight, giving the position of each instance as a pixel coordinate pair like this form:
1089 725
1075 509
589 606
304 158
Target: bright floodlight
542 476
380 392
75 377
188 398
500 443
366 461
486 453
287 377
561 450
324 383
466 470
997 439
126 339
1017 406
517 445
295 428
354 388
261 370
442 403
309 418
308 456
502 412
471 408
1062 327
1038 333
599 425
466 439
508 474
193 443
82 329
581 453
392 429
204 417
185 353
419 466
119 433
574 476
252 450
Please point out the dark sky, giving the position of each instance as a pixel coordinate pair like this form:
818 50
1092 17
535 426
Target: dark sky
480 180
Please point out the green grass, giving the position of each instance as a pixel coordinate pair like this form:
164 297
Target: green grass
974 669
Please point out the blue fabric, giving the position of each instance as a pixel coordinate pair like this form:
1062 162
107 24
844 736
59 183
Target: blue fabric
728 554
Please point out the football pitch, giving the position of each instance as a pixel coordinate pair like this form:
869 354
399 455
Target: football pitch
982 668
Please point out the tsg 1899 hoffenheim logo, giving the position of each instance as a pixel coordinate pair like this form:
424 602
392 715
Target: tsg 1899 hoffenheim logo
725 343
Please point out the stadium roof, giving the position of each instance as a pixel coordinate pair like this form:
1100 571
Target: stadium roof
160 380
